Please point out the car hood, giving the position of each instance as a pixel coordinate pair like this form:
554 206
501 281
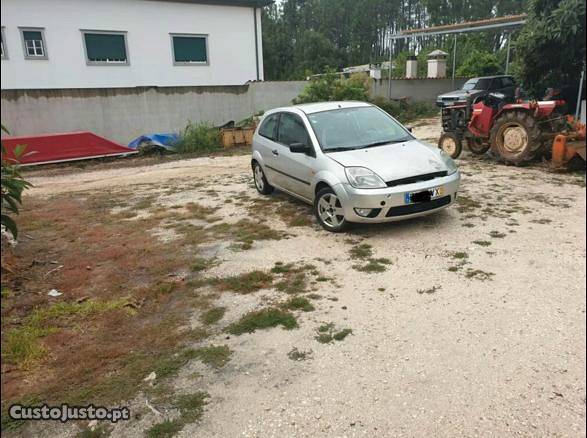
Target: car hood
395 160
460 93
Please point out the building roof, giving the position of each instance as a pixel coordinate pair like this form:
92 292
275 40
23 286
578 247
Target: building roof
249 3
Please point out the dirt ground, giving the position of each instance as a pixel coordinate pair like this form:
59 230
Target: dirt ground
473 326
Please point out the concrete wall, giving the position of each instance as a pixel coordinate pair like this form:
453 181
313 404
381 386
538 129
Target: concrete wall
124 113
148 24
418 90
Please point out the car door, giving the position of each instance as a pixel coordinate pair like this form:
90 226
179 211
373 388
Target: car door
266 144
296 169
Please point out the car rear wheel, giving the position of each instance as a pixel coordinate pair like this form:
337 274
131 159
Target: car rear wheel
450 144
328 211
261 183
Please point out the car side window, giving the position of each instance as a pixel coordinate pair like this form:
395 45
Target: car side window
268 128
292 130
508 82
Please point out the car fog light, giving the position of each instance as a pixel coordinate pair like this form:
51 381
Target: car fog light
363 212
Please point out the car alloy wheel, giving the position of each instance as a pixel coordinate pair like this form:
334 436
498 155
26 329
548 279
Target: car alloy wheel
261 183
329 212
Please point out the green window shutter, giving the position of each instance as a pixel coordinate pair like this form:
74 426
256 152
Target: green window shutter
29 35
190 49
105 47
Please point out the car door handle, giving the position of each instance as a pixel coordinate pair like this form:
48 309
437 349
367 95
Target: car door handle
274 152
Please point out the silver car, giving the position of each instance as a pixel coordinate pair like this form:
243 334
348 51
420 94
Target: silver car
353 162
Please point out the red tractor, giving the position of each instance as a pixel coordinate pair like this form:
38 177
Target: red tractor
515 132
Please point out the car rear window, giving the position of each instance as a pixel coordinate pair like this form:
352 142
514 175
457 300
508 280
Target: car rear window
268 128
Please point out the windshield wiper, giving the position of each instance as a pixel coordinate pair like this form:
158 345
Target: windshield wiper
382 143
340 149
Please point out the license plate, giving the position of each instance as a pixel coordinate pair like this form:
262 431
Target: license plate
423 196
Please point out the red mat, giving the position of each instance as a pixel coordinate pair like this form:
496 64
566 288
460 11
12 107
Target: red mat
57 148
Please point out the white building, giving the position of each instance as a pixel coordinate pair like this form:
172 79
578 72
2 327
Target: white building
63 44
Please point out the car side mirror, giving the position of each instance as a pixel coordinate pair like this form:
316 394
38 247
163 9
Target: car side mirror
299 148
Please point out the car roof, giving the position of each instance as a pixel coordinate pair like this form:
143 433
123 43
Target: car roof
316 107
492 77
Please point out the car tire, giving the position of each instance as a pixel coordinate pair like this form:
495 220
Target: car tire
326 207
260 180
451 144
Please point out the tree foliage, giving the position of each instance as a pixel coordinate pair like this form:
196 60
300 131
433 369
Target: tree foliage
301 37
333 87
480 63
551 47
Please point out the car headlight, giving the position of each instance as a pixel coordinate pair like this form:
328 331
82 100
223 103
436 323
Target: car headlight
363 178
450 164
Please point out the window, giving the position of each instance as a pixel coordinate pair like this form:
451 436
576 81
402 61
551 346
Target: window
4 52
189 49
292 130
508 82
33 41
105 47
268 128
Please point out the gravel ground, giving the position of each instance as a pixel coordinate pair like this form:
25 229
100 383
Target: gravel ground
490 342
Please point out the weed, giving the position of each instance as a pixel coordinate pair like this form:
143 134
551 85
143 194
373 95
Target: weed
466 204
459 255
482 242
191 406
373 265
298 303
202 264
340 335
165 429
542 221
497 234
213 315
216 356
326 333
262 319
298 355
244 283
478 274
361 251
430 290
294 283
198 137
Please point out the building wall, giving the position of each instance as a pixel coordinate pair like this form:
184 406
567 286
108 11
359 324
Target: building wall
230 29
122 114
418 90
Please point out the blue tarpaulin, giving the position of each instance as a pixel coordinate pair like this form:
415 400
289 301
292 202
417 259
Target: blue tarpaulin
167 141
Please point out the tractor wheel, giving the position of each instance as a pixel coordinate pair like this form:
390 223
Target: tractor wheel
477 146
450 144
516 137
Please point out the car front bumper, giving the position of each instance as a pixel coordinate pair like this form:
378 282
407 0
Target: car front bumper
391 201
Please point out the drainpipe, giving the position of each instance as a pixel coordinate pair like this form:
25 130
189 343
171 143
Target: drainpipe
256 43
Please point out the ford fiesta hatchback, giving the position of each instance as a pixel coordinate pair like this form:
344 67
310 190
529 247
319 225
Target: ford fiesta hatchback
353 162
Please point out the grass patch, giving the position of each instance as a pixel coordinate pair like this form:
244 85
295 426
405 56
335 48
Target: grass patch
21 345
244 283
478 274
246 232
298 303
213 315
497 234
263 319
361 251
326 333
165 429
482 242
215 356
198 137
466 204
374 265
191 406
459 255
202 264
293 283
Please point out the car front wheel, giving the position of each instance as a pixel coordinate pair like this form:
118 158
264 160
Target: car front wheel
328 211
261 183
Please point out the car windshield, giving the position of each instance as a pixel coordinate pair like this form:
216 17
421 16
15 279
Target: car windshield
476 84
356 128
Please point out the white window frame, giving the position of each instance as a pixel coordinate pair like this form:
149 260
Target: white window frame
106 32
42 46
190 35
4 48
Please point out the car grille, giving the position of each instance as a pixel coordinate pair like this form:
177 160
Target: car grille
415 179
404 210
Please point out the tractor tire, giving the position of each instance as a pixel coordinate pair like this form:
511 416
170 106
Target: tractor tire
451 144
516 137
477 146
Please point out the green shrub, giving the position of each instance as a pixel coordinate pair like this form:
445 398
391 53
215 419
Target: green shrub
405 111
332 87
13 184
480 63
198 137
